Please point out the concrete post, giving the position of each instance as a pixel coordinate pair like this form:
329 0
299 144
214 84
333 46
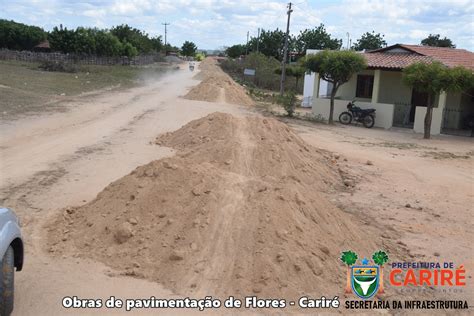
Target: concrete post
436 119
442 100
316 86
376 87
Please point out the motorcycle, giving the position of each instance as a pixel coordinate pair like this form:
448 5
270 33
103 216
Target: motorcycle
364 116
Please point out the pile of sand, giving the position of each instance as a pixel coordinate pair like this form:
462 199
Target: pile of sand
240 209
217 86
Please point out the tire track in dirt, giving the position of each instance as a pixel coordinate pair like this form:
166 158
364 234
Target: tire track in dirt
240 209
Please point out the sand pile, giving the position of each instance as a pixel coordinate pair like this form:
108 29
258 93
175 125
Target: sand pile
217 86
240 209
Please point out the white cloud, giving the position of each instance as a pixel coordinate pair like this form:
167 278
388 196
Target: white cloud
213 23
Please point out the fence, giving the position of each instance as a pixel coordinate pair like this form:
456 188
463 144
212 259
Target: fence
402 115
27 56
457 122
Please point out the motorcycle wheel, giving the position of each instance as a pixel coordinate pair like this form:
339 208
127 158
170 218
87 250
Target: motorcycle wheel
345 118
368 121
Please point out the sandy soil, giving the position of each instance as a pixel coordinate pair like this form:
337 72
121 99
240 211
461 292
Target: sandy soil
241 208
418 192
62 159
217 86
51 162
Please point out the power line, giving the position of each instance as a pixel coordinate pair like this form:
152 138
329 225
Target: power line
285 52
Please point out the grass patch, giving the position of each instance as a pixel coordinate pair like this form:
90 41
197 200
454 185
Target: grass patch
397 145
25 88
444 155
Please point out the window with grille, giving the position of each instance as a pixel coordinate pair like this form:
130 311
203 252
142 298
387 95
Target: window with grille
365 85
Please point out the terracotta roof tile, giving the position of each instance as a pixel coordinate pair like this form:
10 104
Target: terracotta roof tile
451 57
393 60
43 44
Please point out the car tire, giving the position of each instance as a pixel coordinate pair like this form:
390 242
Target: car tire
7 274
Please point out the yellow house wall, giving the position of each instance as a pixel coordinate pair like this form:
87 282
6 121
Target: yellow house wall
348 90
392 89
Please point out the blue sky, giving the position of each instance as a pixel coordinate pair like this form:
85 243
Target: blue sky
212 24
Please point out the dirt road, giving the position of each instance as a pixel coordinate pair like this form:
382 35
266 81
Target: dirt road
418 192
64 159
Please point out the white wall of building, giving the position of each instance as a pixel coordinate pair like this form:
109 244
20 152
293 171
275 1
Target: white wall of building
436 120
383 113
308 87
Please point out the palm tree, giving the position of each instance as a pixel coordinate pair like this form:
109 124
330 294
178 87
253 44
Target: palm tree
380 258
348 258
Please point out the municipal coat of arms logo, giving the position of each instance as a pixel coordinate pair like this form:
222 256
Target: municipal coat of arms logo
364 279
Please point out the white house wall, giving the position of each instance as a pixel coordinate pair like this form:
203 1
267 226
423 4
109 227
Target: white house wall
308 89
308 86
383 113
419 126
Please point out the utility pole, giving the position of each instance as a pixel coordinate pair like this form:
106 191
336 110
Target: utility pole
247 45
258 38
285 52
166 32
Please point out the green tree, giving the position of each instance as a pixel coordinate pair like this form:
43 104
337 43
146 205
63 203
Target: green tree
434 78
188 49
436 40
370 41
84 41
62 40
19 36
317 38
169 48
129 50
336 67
235 51
107 44
348 258
380 258
137 38
270 43
157 44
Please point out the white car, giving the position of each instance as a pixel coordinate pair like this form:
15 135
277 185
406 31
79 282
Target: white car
11 252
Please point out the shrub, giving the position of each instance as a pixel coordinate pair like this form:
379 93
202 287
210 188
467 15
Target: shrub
288 102
199 57
265 76
58 66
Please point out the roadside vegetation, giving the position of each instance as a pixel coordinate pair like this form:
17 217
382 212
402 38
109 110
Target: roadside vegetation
25 87
336 67
266 73
120 40
433 79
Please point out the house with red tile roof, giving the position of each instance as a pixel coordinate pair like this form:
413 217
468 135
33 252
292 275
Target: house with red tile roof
380 87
